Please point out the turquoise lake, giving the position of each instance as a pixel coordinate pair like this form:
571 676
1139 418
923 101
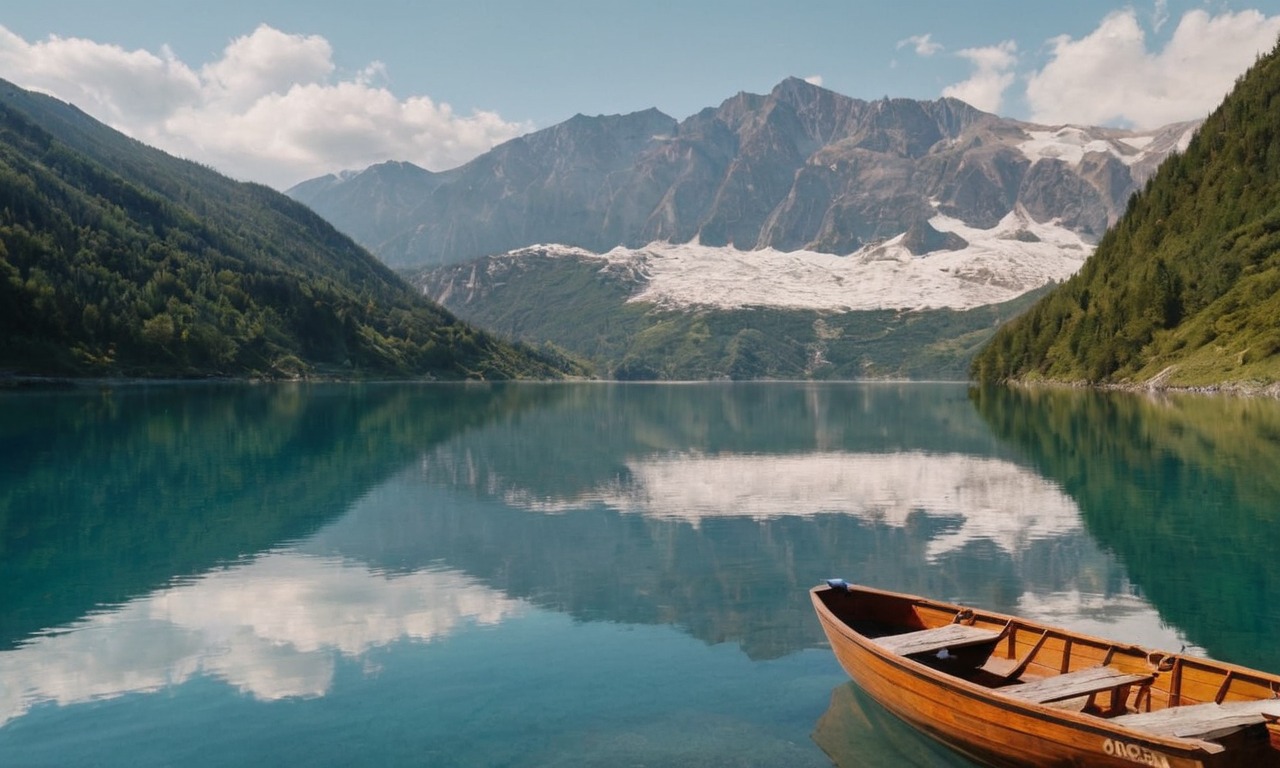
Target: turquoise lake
581 574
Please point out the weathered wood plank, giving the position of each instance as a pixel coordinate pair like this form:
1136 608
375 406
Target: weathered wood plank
1070 685
937 639
1201 721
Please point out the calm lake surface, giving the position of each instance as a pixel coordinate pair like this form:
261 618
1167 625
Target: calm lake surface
581 574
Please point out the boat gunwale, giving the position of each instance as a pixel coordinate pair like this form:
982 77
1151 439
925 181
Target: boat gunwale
1192 748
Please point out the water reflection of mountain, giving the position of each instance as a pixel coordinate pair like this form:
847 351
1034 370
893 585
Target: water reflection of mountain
709 507
1183 489
698 507
593 429
109 494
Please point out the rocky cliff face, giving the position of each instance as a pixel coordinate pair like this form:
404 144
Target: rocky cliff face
799 168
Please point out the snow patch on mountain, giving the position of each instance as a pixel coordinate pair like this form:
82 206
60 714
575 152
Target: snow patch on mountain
998 264
1070 144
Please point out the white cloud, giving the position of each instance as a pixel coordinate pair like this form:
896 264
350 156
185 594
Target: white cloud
264 63
272 108
992 76
814 80
1109 76
923 44
1160 14
114 84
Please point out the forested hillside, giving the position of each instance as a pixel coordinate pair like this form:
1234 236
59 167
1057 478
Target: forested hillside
1185 288
117 259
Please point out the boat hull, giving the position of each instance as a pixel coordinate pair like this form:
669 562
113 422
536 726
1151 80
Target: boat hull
995 729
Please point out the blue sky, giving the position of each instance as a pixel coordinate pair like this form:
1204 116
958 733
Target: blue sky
282 91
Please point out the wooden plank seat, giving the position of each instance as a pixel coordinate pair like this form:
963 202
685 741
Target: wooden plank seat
1202 721
937 639
1082 682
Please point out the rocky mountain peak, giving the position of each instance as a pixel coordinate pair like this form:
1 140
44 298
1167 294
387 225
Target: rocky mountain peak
801 167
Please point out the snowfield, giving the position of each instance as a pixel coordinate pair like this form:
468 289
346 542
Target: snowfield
999 264
1070 144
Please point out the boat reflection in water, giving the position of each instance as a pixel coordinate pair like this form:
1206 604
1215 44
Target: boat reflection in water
856 732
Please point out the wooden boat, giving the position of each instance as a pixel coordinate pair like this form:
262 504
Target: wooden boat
1010 692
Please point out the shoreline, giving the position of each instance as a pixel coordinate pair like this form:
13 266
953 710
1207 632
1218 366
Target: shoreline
1154 387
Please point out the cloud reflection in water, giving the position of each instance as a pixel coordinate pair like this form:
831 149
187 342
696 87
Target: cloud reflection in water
272 628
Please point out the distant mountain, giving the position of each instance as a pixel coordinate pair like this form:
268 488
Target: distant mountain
801 168
1185 289
118 259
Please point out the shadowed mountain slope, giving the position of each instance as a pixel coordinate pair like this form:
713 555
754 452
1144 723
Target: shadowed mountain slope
118 259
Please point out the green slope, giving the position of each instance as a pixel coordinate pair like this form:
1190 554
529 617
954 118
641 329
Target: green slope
1186 286
574 305
117 259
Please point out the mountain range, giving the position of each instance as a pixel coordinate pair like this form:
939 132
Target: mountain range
799 168
799 233
795 234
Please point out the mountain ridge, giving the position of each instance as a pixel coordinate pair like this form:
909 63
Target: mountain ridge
799 168
117 259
